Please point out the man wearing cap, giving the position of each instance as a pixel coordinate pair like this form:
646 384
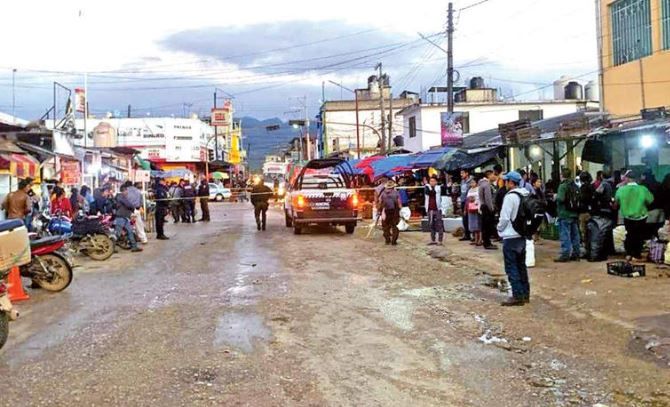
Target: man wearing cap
633 200
389 202
514 244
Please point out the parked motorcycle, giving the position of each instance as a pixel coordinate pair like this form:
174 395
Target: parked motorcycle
87 234
14 252
122 239
49 268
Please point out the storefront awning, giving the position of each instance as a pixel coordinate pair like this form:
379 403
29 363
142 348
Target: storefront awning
19 165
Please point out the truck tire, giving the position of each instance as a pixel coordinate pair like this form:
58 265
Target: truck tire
297 230
350 228
289 221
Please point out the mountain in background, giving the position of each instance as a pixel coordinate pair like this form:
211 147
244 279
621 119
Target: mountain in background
259 142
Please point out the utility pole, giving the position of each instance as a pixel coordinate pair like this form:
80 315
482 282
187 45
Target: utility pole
129 111
381 106
14 95
450 58
216 134
390 145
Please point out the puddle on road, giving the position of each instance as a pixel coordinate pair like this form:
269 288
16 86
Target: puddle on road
241 331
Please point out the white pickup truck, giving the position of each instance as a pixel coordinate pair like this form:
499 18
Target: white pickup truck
322 195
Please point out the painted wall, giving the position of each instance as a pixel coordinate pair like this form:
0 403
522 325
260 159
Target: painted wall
624 84
482 118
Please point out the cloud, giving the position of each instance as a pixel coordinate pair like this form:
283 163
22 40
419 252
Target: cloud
295 46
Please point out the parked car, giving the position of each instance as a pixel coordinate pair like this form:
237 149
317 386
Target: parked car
219 193
322 194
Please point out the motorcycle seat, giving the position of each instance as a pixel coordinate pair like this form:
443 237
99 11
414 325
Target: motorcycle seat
45 241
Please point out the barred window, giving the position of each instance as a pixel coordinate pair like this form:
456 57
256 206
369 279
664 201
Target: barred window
665 23
631 30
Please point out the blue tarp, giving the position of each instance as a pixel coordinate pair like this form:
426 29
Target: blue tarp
428 158
181 173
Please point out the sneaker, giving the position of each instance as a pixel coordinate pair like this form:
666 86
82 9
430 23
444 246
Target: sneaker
562 260
491 247
136 249
162 238
513 302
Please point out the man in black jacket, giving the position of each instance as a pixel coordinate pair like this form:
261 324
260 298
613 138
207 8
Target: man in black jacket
260 195
189 202
162 204
203 196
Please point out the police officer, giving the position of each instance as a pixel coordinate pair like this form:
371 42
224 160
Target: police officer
161 195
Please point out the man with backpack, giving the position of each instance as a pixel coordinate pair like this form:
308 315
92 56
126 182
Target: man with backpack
389 202
569 204
511 228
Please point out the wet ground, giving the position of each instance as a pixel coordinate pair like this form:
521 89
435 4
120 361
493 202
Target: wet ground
224 315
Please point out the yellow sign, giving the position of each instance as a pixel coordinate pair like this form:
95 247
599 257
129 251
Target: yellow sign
235 149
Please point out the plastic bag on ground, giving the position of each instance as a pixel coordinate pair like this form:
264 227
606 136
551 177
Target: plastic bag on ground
530 253
619 239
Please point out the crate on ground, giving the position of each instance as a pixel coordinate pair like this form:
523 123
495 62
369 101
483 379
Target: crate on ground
549 231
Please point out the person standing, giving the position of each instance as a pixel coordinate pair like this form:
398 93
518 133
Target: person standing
390 204
161 194
567 201
465 187
203 196
189 202
586 191
474 217
434 194
260 195
633 200
18 204
601 241
514 243
60 204
487 208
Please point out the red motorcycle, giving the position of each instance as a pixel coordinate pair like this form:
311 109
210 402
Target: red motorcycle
49 267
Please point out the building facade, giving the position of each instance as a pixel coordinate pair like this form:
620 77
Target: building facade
339 118
422 123
634 48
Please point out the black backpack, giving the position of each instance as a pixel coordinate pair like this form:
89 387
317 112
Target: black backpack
573 198
530 215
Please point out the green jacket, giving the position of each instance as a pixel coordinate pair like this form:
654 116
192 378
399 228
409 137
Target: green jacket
633 200
563 213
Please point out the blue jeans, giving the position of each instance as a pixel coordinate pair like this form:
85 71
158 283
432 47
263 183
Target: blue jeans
514 252
123 223
568 231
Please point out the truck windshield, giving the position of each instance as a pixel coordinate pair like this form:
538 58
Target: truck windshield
323 182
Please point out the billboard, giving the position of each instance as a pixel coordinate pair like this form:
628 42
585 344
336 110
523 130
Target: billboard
235 149
80 100
451 128
221 117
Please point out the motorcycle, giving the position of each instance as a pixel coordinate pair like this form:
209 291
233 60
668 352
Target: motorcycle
49 268
87 234
15 253
122 239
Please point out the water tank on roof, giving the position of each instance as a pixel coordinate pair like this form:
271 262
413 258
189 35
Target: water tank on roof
477 83
372 80
386 80
574 91
592 92
559 87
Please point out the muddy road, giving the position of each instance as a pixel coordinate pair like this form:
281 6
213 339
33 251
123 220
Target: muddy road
223 315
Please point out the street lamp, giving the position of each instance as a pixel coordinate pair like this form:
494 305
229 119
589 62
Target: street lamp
358 136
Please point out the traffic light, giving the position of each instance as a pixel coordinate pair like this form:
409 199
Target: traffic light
210 155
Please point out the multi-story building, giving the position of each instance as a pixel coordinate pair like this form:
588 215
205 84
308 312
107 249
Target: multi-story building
634 47
478 109
339 118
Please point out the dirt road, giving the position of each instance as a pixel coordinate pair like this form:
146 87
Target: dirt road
224 315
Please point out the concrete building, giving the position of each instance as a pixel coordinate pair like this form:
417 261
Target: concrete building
338 120
480 110
634 47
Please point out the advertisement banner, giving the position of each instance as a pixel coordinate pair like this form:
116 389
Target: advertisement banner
452 128
70 172
80 100
142 176
221 117
235 149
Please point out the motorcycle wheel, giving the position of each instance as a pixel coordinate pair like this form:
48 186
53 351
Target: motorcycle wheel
101 247
4 328
61 273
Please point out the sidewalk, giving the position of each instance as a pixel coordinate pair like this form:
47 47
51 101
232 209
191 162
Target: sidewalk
582 289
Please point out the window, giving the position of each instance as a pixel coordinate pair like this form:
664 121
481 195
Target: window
665 23
532 115
412 126
631 30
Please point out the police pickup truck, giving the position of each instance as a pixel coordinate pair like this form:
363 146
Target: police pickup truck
322 194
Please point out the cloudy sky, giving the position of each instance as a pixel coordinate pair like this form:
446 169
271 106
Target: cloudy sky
167 58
